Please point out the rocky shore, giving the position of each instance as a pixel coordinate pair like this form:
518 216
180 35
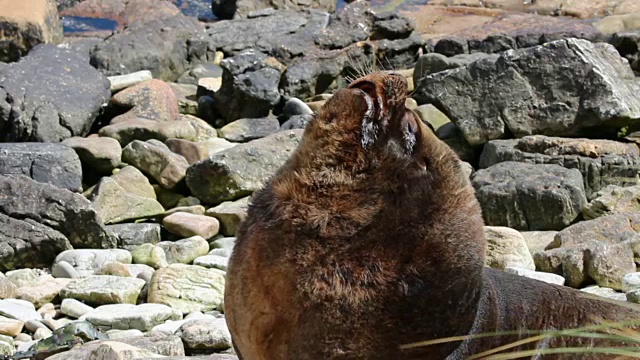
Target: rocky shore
128 156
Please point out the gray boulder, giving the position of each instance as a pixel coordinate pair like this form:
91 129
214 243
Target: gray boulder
238 171
130 236
563 88
529 197
238 9
61 210
601 162
53 164
248 78
158 45
243 130
100 154
60 100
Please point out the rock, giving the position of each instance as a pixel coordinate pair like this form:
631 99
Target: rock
226 243
8 289
42 333
63 269
115 269
212 262
538 241
631 281
237 172
243 130
432 63
200 71
10 327
61 210
529 197
87 262
507 248
116 350
187 98
131 236
613 200
608 264
285 33
429 114
53 164
209 85
601 162
97 153
27 243
127 316
247 78
185 224
401 53
187 288
119 82
354 23
156 160
151 255
452 46
451 135
311 75
141 271
123 334
134 182
537 275
163 344
196 151
604 292
130 130
48 312
150 100
186 250
19 310
205 335
296 122
74 308
171 327
612 229
230 214
295 107
239 9
43 292
193 209
104 289
115 205
391 25
27 277
559 107
27 24
59 101
159 46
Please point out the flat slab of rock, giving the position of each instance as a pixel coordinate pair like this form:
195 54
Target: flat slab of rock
60 100
155 159
115 204
43 292
601 162
87 261
237 172
522 105
53 164
152 100
537 275
187 288
186 225
104 289
243 130
26 24
127 316
41 203
529 197
101 154
19 309
196 151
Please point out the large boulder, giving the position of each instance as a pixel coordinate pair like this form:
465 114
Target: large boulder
529 197
613 200
239 171
238 9
601 162
53 164
60 100
566 87
57 209
158 45
26 24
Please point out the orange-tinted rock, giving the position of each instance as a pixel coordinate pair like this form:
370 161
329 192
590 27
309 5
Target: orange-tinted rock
152 100
124 12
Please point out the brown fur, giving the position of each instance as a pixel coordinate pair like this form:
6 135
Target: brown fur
370 237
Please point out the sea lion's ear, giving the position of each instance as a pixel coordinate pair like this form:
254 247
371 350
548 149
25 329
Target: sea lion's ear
408 129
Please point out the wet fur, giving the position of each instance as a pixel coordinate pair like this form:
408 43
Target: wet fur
370 237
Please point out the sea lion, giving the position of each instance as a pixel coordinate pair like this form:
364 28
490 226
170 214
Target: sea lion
369 238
